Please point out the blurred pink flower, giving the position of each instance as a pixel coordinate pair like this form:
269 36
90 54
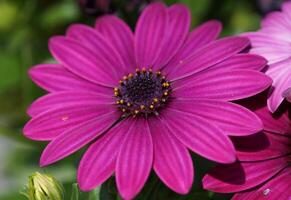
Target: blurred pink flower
273 41
263 170
135 120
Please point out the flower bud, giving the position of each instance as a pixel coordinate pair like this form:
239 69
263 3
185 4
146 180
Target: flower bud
44 187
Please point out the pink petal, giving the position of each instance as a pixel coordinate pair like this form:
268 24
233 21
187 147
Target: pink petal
277 188
99 44
199 37
177 31
53 122
281 75
120 36
261 146
243 61
277 34
287 94
276 20
54 78
98 66
75 138
233 119
135 159
150 33
60 99
199 135
98 163
172 161
208 56
273 123
222 84
241 176
286 8
262 39
273 55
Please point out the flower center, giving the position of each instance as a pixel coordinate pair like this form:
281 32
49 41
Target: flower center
142 93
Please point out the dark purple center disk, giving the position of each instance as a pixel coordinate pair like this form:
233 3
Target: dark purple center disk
142 93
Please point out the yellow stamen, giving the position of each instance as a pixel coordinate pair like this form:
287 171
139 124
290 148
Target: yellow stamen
130 75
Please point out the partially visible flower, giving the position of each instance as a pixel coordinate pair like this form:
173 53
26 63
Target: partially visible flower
143 99
273 41
44 187
263 170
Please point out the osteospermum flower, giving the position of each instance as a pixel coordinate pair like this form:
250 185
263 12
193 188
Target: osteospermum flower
273 41
142 100
264 170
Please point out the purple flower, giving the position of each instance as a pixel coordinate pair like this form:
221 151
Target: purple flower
263 170
142 100
273 41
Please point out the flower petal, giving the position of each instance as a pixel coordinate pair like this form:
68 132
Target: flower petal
98 66
261 146
287 94
60 99
99 44
277 188
208 56
53 122
199 37
54 78
286 7
277 20
172 161
75 138
243 61
135 159
120 36
150 33
222 84
177 31
281 75
98 163
273 123
199 135
229 117
241 176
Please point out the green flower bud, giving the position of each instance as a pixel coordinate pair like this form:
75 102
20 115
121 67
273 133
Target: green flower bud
44 187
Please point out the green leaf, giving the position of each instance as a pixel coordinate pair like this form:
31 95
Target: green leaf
75 192
94 194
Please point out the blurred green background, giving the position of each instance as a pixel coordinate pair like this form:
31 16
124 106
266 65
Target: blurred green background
25 27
